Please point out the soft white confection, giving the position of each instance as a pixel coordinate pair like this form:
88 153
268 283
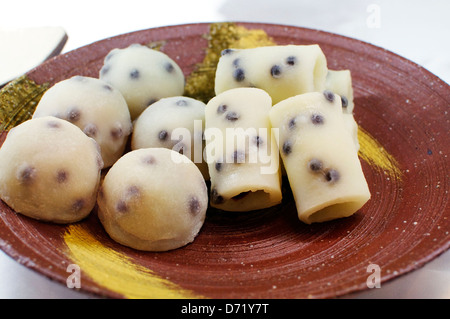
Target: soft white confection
241 151
153 199
282 71
319 156
142 75
97 108
340 82
50 170
176 123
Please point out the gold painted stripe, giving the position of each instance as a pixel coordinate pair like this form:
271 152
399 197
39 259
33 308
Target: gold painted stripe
18 100
115 271
221 36
373 153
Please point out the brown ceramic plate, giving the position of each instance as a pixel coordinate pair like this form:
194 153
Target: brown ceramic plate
402 111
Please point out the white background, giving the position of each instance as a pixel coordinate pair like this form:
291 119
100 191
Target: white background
416 29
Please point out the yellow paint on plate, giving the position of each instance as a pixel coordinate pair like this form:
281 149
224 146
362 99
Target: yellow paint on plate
224 35
116 271
373 153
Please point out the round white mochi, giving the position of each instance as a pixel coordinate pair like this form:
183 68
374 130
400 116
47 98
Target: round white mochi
153 199
95 107
176 123
50 170
142 75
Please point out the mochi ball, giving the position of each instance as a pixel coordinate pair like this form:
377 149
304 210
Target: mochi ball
97 108
142 75
175 122
153 199
50 170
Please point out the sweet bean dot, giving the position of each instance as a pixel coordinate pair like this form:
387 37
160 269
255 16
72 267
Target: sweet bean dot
116 133
80 78
61 176
292 123
194 205
78 204
134 74
218 166
257 140
108 87
328 95
332 175
132 191
239 75
287 147
236 62
238 157
104 70
222 108
148 160
275 71
344 101
169 67
73 115
317 119
162 135
181 103
215 197
226 51
291 60
53 124
90 130
26 174
121 206
315 165
180 148
232 116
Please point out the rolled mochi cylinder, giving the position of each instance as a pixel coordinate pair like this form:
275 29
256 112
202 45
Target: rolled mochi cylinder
153 199
319 156
142 75
241 151
340 82
176 123
50 170
97 108
282 71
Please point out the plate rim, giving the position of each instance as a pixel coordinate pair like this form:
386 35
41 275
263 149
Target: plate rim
14 253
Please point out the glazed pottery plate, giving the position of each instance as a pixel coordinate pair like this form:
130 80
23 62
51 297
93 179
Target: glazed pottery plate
402 113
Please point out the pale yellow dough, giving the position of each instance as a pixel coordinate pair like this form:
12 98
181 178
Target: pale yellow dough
282 71
95 107
142 75
320 157
340 82
176 123
50 170
153 199
241 151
